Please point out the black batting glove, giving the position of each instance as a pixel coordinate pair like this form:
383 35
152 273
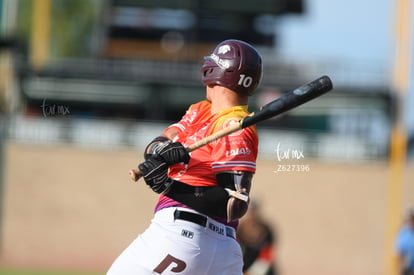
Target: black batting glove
174 152
155 174
152 149
170 152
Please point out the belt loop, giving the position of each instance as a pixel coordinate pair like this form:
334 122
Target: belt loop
230 232
176 214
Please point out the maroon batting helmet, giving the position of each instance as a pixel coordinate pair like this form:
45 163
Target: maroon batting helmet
233 64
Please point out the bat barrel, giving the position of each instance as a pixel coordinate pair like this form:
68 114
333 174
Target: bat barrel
290 100
314 88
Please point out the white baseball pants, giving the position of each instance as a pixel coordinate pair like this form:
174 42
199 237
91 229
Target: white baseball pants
180 241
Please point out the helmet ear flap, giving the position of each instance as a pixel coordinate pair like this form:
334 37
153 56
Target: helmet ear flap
207 71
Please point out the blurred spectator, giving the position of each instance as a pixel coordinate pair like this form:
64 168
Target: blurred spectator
410 146
405 245
258 242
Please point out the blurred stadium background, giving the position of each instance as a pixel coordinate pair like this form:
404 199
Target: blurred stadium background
86 84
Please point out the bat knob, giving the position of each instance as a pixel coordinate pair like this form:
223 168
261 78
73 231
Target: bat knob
135 174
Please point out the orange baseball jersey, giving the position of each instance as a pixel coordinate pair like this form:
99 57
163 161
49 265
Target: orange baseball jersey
235 152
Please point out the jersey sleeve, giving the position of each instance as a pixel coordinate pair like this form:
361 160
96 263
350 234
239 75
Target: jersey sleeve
195 113
237 151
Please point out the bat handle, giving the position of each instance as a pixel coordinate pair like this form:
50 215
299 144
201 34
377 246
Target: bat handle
215 136
135 174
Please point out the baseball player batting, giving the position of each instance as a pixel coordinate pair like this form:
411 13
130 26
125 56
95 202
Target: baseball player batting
204 192
193 229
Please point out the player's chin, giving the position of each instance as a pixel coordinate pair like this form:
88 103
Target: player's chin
208 92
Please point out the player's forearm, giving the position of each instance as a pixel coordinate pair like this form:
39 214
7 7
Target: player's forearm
170 133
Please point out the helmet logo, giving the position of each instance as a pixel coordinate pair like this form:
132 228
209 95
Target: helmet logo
225 64
223 49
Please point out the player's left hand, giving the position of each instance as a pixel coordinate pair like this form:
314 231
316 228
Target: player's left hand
155 174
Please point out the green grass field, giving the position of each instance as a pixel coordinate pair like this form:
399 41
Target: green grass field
12 271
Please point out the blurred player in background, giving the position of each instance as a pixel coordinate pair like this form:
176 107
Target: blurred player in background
202 194
258 242
405 245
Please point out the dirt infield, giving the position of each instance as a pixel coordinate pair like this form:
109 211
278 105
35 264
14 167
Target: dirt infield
65 207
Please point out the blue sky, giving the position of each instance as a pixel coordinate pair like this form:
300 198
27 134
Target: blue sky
340 29
354 30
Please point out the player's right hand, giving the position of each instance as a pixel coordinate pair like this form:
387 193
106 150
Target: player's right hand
173 153
170 152
152 149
